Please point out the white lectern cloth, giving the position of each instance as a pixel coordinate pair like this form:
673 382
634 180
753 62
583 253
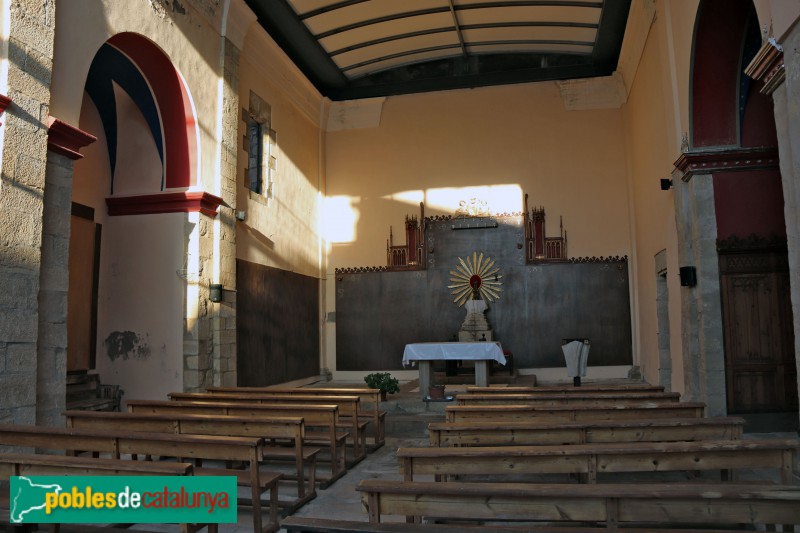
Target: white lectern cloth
576 353
465 351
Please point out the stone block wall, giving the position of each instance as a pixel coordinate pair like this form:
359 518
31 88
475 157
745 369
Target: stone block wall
22 197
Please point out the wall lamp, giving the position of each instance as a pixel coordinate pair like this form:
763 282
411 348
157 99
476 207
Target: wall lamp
666 184
215 292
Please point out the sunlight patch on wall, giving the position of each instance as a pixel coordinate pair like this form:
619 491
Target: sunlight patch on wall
407 197
340 217
499 198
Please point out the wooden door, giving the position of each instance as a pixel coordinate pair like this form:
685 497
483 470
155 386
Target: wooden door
84 267
759 340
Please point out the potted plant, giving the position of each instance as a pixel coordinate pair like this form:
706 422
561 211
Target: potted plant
383 381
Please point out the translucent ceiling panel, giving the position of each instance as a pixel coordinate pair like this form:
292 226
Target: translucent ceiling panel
531 33
517 47
400 46
396 62
581 15
365 11
386 29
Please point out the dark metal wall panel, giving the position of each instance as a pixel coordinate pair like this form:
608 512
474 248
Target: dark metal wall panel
277 325
378 313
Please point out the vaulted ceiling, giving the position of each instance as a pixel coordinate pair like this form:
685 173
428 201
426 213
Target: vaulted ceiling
353 49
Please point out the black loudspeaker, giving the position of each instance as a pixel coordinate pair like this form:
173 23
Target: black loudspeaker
688 276
666 184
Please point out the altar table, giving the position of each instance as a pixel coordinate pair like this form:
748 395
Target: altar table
426 352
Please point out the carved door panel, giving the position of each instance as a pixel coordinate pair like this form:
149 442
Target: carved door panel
759 341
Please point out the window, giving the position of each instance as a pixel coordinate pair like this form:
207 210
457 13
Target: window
260 146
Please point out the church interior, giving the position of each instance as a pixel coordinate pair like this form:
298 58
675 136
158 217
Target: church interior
228 197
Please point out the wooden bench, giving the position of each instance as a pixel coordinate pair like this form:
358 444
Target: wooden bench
245 449
268 428
501 433
589 460
633 398
18 464
369 397
567 413
597 388
304 524
84 391
614 505
348 407
324 417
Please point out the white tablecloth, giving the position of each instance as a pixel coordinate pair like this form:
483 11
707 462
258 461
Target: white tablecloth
465 351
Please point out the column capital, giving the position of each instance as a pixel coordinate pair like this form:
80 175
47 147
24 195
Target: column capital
726 159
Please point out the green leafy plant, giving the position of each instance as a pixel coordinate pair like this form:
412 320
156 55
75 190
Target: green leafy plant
383 381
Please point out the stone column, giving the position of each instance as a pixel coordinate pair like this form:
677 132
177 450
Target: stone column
780 72
701 309
787 123
63 144
23 157
223 323
210 345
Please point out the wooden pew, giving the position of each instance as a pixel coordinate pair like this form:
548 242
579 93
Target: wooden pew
304 524
567 413
371 397
324 417
19 464
615 505
589 460
272 428
595 388
547 400
348 406
501 433
211 447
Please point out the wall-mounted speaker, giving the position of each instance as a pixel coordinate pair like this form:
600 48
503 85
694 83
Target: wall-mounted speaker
688 276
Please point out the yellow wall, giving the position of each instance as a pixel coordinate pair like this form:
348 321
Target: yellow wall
454 145
285 233
512 139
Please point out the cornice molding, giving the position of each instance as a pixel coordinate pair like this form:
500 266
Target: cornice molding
5 101
768 66
604 92
640 20
167 202
65 139
710 161
355 114
266 57
236 20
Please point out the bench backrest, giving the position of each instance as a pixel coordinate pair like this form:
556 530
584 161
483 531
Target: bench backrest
144 443
592 459
598 388
265 427
313 415
371 396
678 503
505 433
348 405
457 413
571 399
16 464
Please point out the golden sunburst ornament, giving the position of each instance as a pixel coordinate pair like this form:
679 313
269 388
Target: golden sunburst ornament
475 275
